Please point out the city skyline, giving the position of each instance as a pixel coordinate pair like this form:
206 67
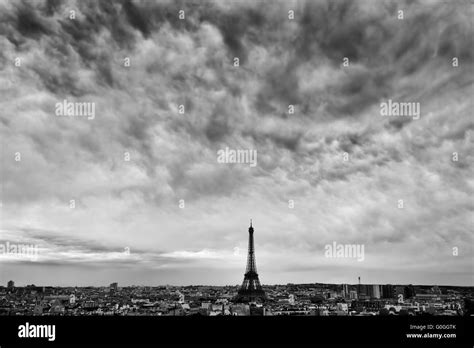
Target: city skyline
236 285
290 299
139 137
250 263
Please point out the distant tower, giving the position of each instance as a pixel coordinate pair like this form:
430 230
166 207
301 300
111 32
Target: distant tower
358 289
251 290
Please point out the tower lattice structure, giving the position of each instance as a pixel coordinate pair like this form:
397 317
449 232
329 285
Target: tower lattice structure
251 290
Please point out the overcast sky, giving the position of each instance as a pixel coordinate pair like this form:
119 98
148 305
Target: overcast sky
135 204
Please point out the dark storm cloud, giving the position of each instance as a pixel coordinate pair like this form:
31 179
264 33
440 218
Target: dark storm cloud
330 31
59 82
137 17
236 26
30 24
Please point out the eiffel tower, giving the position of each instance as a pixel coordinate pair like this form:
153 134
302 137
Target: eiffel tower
251 290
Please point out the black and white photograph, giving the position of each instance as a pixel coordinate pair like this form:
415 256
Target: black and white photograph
306 162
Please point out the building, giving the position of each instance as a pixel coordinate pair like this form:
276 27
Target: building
427 297
342 307
368 305
240 309
11 284
400 292
345 290
364 291
57 306
373 291
409 291
113 288
387 291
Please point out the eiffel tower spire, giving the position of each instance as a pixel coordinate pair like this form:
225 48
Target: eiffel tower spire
251 290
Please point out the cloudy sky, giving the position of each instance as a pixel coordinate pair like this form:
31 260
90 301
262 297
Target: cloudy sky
134 205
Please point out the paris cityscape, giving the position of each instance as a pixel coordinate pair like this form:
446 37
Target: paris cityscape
251 298
290 299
